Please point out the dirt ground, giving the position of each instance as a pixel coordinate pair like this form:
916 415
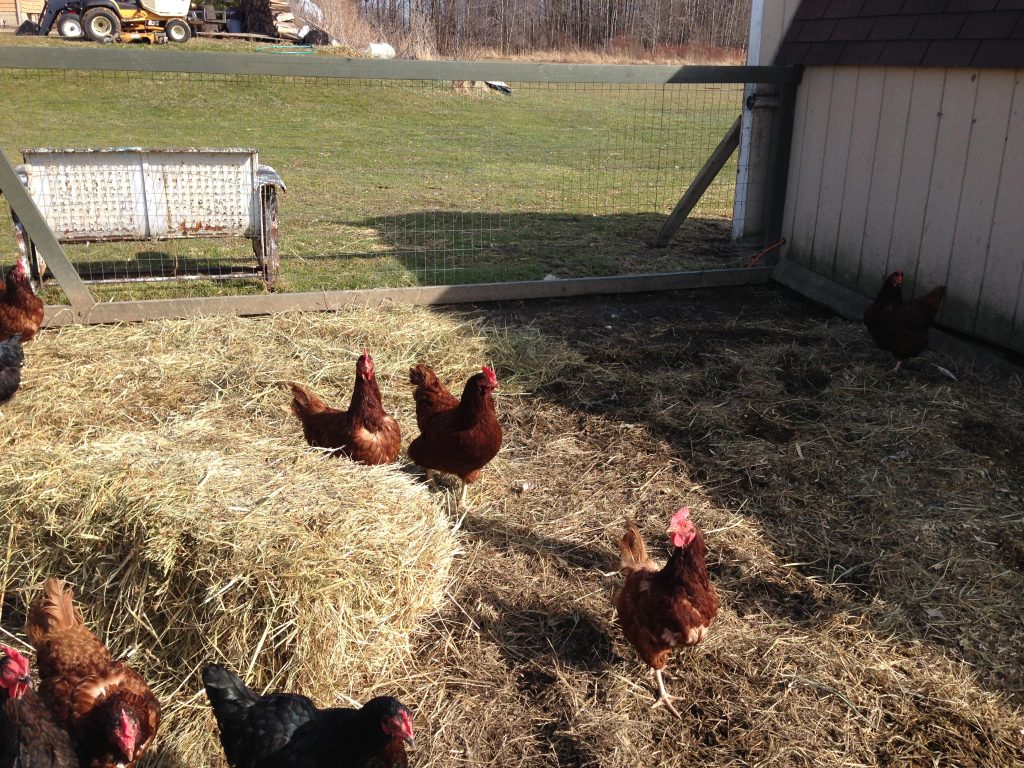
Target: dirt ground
865 531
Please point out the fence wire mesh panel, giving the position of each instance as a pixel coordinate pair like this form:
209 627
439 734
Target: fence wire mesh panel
390 182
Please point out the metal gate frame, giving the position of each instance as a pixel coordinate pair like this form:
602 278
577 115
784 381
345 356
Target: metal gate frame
85 309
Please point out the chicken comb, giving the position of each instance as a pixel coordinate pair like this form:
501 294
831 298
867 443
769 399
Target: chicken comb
489 373
681 516
15 656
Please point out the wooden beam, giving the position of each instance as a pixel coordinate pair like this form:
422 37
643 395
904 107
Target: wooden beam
71 57
699 185
40 233
264 304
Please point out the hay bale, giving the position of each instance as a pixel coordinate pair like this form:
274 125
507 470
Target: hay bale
175 491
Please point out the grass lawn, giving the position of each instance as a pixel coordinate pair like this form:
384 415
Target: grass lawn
394 183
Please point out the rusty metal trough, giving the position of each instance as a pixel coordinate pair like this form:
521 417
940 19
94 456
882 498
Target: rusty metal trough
134 194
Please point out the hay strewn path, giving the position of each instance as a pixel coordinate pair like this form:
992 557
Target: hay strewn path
865 531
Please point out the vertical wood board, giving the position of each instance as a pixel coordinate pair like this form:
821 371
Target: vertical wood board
833 170
864 133
916 171
883 187
985 157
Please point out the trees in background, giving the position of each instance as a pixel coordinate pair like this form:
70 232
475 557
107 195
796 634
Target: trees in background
521 26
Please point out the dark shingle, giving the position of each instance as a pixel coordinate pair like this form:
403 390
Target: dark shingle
1007 54
984 26
893 27
971 5
938 26
862 53
950 53
811 9
909 33
843 9
824 54
880 8
854 29
817 31
923 6
903 53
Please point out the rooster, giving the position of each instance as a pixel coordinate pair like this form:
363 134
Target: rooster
286 730
667 608
899 326
21 311
365 432
458 437
28 736
12 358
105 704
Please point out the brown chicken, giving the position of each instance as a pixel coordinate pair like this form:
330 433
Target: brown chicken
899 326
663 609
365 432
457 437
21 311
29 738
105 704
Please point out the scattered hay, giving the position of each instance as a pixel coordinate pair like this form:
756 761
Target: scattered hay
864 531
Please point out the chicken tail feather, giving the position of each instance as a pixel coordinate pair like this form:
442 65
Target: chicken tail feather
423 376
228 695
632 552
305 403
53 611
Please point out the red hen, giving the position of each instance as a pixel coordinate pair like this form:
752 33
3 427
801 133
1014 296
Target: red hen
458 437
28 736
663 609
21 311
899 326
104 704
365 432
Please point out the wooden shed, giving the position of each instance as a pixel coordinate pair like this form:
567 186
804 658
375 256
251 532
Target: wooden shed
906 151
13 12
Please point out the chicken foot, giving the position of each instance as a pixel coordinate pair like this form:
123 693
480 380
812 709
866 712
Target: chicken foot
665 699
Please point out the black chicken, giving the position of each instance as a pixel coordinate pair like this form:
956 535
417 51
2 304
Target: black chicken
286 730
11 359
29 738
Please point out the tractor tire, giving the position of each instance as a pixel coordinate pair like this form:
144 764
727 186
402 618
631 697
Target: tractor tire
101 25
177 31
69 26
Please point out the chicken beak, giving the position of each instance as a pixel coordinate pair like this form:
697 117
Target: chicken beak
411 741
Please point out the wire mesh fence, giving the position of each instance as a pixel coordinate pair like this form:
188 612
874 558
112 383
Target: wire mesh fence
390 182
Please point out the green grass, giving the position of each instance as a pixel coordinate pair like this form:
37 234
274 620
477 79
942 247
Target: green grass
394 183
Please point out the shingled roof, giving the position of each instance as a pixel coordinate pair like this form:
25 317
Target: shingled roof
906 33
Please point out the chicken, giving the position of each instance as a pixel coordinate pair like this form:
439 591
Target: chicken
365 432
663 609
286 730
105 705
21 311
28 736
456 436
899 326
11 359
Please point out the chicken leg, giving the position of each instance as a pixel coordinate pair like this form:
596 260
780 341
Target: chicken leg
430 479
665 699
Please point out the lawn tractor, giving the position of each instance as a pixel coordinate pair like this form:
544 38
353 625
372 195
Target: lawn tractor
104 21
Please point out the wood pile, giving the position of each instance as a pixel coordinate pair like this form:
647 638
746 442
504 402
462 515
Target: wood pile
269 17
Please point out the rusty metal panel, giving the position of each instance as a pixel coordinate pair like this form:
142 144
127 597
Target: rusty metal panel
128 193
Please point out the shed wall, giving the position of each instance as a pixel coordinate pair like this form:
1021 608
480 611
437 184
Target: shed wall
914 169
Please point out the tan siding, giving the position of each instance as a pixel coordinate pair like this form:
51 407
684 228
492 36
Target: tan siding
833 170
818 100
916 170
883 186
775 21
1002 293
857 184
977 199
